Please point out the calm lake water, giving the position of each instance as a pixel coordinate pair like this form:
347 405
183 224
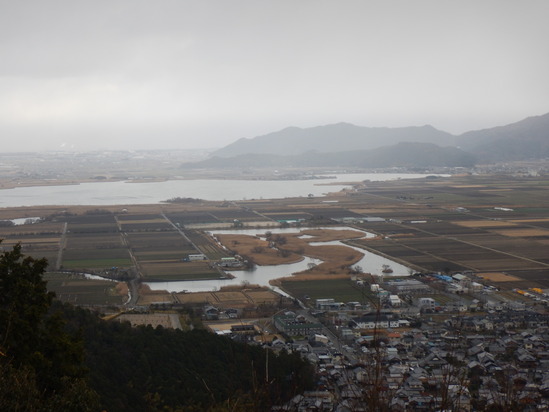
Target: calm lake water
261 275
130 193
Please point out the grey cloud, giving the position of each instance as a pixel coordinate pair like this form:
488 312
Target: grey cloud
214 71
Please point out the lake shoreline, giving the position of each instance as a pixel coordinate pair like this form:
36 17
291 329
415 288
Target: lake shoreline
143 192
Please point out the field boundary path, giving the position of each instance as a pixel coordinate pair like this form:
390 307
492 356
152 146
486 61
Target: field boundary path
456 238
477 245
180 231
133 284
62 245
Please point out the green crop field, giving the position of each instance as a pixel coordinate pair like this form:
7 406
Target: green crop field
342 290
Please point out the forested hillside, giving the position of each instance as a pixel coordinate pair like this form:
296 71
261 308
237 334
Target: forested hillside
58 357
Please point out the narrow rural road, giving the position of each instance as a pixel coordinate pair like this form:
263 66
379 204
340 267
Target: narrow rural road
62 245
180 231
133 284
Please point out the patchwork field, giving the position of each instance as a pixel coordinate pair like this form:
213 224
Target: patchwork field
78 290
234 297
481 223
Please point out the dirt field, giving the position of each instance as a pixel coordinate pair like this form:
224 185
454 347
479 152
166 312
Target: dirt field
482 223
233 297
335 258
81 291
523 232
498 277
257 249
148 296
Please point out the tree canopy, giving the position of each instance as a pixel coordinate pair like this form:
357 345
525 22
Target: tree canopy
41 364
54 356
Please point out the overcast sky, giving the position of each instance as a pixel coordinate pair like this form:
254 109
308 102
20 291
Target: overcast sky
131 74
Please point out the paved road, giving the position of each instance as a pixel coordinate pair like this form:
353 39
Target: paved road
330 335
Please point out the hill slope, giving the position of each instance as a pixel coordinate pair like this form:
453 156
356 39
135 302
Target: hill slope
333 138
344 144
526 139
405 154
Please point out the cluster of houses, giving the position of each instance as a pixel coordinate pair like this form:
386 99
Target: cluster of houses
463 364
417 348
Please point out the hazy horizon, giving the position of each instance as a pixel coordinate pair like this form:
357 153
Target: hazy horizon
133 75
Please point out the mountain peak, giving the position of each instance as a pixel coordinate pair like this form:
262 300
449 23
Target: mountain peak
332 137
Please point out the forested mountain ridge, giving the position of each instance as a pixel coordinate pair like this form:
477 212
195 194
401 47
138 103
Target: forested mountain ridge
332 138
526 139
405 154
342 144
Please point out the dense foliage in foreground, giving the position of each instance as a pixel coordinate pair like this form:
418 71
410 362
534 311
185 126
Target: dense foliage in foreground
57 357
145 368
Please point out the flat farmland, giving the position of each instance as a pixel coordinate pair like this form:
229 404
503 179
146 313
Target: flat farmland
146 226
129 217
35 246
95 251
442 228
78 290
192 217
92 227
231 214
89 223
89 218
155 255
143 223
94 240
45 228
441 254
154 249
197 298
262 296
340 289
498 277
333 212
234 297
39 240
391 229
96 263
280 215
206 244
523 232
158 241
482 223
171 270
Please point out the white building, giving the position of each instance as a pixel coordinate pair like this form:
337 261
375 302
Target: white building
395 301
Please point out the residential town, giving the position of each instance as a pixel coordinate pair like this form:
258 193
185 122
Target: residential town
404 351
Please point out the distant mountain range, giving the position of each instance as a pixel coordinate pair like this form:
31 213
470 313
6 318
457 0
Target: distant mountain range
527 139
333 138
404 154
347 145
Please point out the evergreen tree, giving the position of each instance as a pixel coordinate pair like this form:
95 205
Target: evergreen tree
41 365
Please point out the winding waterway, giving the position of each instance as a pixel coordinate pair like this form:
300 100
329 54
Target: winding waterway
133 193
261 275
